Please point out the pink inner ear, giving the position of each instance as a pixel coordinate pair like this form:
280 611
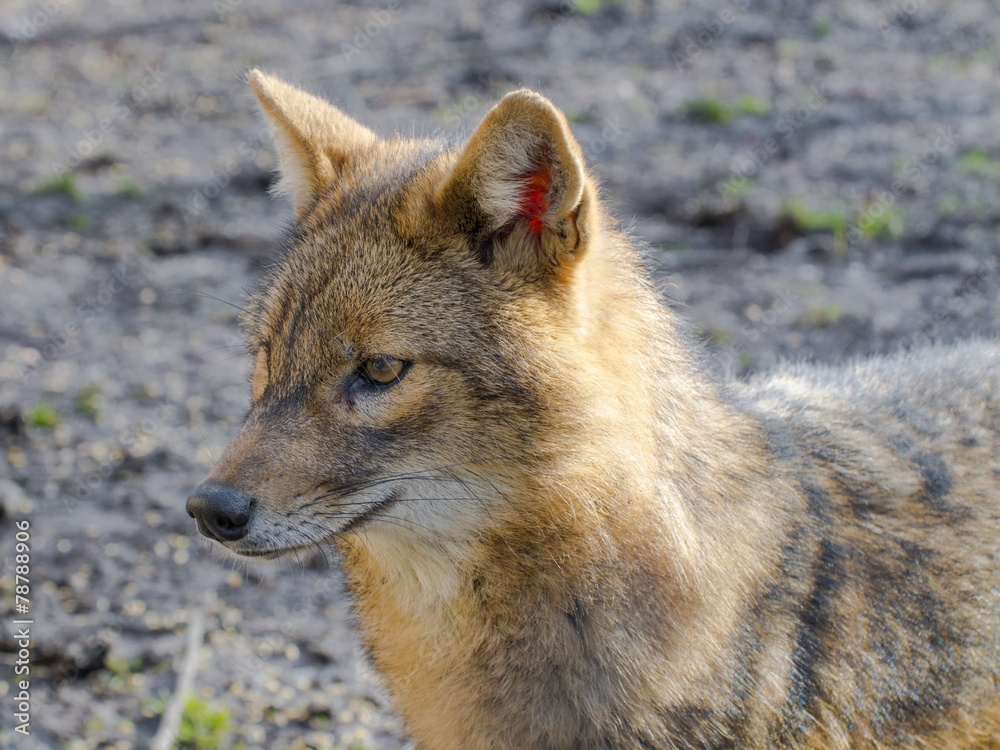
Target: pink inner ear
535 199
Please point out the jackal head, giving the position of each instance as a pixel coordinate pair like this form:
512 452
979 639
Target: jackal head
420 351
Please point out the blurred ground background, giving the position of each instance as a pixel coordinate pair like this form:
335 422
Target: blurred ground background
815 180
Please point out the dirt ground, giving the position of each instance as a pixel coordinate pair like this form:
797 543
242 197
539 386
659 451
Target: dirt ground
815 180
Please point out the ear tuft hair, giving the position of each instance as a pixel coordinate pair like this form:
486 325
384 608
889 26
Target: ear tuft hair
313 138
522 175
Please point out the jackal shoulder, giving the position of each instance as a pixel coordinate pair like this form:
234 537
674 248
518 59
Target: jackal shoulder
942 398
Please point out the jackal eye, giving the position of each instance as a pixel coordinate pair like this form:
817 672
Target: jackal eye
382 370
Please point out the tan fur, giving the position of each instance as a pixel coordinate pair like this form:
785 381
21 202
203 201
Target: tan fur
558 532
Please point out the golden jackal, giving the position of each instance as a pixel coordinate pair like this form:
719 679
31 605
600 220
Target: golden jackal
558 532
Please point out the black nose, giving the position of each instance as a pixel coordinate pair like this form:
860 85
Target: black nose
222 512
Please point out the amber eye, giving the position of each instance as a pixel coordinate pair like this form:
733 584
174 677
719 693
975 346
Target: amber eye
382 370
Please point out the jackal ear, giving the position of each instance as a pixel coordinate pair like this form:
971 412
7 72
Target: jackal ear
519 190
313 138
